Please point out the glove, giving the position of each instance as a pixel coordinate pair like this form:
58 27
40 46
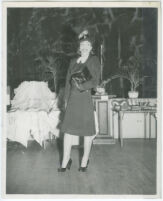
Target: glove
78 86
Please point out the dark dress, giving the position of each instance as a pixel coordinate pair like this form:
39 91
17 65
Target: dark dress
79 114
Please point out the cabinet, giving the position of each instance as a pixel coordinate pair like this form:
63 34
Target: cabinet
134 123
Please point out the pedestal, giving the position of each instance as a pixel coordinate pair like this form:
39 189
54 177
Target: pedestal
102 107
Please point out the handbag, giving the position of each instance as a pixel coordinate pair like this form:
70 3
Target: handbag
81 76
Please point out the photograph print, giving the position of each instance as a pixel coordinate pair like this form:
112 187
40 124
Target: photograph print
81 99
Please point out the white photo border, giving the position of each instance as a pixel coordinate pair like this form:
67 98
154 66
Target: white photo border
149 4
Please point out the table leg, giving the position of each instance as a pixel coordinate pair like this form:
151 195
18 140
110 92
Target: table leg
113 124
145 125
156 127
149 125
120 128
155 117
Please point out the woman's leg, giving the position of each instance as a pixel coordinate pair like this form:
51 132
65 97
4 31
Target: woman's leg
66 149
87 148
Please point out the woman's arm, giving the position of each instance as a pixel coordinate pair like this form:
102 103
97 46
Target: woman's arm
68 86
94 67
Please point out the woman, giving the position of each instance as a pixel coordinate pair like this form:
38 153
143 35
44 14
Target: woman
79 115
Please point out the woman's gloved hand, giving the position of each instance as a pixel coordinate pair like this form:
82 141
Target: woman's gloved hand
78 86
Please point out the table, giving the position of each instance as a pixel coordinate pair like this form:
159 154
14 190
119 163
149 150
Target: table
37 125
122 112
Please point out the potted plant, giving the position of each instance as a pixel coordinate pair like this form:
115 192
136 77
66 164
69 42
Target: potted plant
132 72
101 87
100 90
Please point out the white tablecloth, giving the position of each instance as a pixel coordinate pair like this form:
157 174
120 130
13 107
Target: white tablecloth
21 125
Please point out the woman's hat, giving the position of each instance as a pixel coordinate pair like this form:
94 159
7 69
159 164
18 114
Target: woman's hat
85 36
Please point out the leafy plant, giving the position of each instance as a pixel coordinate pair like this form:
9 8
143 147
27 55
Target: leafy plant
131 71
50 64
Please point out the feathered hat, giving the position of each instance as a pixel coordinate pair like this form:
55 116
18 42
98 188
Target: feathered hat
85 36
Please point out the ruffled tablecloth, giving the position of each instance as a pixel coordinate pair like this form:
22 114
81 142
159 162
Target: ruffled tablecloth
34 113
33 95
22 125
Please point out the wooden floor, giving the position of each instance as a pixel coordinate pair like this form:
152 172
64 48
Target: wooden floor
112 170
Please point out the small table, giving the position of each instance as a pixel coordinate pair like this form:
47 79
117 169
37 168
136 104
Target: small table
121 112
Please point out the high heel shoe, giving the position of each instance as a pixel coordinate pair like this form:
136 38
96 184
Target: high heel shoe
68 166
84 169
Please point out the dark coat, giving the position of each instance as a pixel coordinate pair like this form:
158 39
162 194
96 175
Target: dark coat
79 114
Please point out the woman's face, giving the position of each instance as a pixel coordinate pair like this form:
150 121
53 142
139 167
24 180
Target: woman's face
85 48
